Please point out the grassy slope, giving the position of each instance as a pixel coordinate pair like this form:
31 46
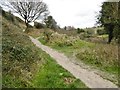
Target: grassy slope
99 56
24 65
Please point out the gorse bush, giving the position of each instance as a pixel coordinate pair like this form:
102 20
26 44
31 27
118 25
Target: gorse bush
60 40
17 52
64 44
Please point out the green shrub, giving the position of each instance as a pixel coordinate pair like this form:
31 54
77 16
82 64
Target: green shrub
84 35
80 30
8 16
68 43
101 32
38 25
47 35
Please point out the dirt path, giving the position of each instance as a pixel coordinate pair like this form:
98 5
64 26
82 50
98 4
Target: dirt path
91 79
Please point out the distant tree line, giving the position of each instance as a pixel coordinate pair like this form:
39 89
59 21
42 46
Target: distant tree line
69 28
80 30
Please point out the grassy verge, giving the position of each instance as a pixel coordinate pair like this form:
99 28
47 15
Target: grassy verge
51 75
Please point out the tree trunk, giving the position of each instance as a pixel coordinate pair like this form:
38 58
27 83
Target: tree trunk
48 38
27 27
110 32
119 23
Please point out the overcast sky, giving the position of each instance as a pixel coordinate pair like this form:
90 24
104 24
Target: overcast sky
77 13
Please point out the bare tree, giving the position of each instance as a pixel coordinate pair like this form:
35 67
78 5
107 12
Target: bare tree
28 10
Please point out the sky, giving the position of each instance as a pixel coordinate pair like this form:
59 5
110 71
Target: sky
77 13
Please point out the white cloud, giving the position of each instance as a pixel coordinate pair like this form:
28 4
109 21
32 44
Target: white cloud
78 13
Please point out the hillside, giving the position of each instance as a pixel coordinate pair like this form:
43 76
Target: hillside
18 53
24 65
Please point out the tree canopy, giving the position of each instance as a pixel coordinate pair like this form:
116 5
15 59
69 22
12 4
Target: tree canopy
109 18
109 13
50 22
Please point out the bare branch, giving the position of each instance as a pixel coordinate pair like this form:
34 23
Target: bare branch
28 10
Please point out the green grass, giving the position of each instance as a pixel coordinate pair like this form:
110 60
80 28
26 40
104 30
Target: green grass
42 41
68 50
51 75
9 81
103 36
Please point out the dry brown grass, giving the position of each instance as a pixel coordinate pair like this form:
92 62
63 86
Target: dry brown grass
107 52
35 32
